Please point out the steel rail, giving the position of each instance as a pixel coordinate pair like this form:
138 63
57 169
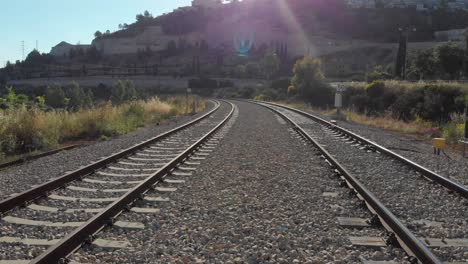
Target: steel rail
445 182
53 184
37 156
407 239
74 240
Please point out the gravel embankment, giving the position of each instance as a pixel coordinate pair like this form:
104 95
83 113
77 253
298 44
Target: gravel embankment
22 177
402 190
452 165
258 198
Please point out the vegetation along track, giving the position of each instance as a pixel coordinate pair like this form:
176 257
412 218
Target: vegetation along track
49 222
429 222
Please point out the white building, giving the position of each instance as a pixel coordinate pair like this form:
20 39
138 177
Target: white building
63 49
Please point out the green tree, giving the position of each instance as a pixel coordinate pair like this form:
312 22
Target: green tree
98 34
88 100
123 91
75 95
144 17
424 64
450 57
13 100
270 65
307 78
55 97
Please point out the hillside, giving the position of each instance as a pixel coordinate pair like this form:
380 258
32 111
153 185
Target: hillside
313 17
196 40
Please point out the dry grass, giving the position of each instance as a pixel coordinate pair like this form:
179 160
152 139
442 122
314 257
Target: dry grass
24 130
387 122
391 124
405 85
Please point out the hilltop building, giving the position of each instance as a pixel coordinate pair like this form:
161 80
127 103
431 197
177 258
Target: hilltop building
63 49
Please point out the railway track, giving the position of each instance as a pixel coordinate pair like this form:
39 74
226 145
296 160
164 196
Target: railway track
49 222
424 212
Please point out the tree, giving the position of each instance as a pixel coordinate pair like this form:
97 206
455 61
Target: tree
144 17
465 62
450 57
13 100
88 99
307 78
270 65
75 95
123 91
34 57
147 14
55 97
424 64
98 34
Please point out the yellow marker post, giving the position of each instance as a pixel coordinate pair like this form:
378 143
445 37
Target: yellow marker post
438 144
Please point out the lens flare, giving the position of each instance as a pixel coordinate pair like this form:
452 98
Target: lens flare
243 43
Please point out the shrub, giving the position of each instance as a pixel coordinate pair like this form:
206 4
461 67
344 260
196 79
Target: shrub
246 92
261 97
439 103
292 90
13 100
360 103
123 91
452 132
405 107
135 115
375 89
55 97
308 78
76 96
102 92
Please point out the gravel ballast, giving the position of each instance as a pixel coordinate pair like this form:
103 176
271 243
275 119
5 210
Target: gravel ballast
257 198
449 164
410 197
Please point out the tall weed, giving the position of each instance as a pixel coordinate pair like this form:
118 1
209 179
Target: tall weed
23 130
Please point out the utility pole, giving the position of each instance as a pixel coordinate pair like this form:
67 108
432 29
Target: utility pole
37 45
402 61
465 59
22 47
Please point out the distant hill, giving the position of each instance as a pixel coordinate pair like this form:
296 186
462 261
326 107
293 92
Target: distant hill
302 25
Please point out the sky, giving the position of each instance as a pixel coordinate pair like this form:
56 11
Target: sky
51 21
